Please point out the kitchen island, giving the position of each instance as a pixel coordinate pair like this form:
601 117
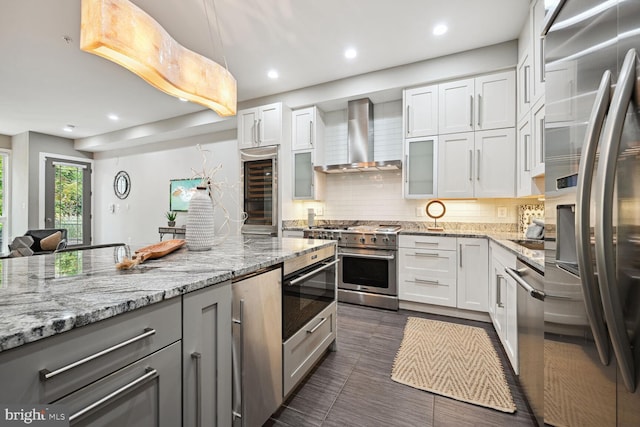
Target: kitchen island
63 308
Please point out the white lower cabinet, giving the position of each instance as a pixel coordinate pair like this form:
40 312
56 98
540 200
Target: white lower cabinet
503 302
427 269
473 274
444 271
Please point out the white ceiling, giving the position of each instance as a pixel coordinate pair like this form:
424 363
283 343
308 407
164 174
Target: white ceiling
47 82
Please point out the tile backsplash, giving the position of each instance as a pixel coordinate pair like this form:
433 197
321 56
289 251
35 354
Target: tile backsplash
371 196
526 213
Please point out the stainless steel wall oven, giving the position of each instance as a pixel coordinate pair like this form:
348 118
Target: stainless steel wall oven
307 289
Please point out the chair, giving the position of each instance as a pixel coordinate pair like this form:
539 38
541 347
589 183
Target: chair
50 246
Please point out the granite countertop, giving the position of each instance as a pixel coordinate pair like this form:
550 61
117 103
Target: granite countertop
535 258
44 295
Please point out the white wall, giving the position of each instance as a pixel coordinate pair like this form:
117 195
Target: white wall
19 214
136 219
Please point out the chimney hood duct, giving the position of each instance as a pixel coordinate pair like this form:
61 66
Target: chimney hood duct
360 142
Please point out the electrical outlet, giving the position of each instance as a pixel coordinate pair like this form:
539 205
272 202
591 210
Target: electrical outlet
502 212
319 211
420 211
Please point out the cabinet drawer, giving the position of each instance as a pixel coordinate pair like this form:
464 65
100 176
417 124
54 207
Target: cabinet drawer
150 394
302 350
135 334
427 289
428 242
433 263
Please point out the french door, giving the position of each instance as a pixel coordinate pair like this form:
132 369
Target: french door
67 199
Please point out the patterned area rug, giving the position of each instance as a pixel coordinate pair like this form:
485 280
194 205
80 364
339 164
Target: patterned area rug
452 360
578 391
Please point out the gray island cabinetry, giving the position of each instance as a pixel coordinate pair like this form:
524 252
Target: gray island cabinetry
110 373
206 358
151 346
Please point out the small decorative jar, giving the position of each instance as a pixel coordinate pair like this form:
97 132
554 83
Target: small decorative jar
200 222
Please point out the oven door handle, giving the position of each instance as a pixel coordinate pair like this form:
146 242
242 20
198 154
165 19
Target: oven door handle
311 273
387 257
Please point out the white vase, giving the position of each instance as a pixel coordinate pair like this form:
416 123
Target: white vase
200 223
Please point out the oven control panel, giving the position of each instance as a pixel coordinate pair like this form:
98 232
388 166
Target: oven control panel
354 239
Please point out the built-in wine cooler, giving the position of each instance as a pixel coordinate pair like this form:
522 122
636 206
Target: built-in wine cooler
260 200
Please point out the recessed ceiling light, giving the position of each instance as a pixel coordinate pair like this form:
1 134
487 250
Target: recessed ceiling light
272 74
183 99
440 29
68 128
350 53
113 117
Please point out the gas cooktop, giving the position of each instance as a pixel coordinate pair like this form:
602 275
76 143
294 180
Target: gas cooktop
360 236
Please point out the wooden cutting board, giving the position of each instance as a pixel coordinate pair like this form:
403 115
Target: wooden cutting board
154 251
158 250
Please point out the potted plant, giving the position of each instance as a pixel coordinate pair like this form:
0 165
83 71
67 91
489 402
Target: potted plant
171 218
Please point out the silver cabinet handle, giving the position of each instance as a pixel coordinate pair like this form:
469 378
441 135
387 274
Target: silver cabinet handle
255 131
605 249
515 274
499 290
479 112
470 165
542 122
460 255
46 374
387 257
238 370
258 131
423 254
408 122
406 168
427 243
428 282
527 166
527 96
541 59
313 273
478 166
149 375
590 290
315 328
471 111
197 358
311 133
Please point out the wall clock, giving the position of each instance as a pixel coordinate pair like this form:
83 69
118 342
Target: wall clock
122 185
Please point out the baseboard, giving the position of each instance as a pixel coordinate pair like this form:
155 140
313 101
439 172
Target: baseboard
445 311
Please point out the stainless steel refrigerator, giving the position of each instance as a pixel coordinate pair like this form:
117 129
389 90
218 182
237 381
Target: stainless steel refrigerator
592 209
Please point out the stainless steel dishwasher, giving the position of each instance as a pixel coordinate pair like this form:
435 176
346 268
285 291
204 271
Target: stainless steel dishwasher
530 298
257 346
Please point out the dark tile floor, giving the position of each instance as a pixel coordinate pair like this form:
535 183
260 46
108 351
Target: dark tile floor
352 386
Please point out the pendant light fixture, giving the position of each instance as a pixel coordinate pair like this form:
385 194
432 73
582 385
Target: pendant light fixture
123 33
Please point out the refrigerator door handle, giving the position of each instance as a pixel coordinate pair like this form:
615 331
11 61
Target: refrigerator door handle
605 250
588 282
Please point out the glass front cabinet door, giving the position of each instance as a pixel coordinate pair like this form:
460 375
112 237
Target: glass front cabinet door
307 183
420 168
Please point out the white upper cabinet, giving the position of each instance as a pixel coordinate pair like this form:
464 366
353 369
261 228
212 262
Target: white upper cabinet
538 148
495 101
455 165
261 125
524 85
306 128
455 101
495 163
421 112
523 161
483 103
537 20
480 164
420 168
307 144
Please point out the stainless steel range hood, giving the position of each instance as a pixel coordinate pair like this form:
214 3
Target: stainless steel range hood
360 142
